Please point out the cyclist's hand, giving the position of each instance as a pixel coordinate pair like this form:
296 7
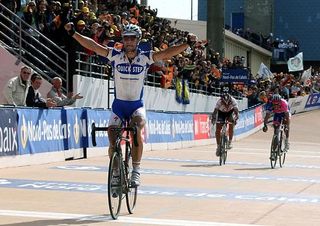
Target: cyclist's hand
70 28
213 121
265 128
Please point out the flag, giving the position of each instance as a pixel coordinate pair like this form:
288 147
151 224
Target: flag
296 63
306 75
264 72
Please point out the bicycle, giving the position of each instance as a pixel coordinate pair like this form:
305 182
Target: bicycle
223 144
120 170
277 151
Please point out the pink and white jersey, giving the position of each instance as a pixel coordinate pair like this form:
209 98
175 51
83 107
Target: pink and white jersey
222 106
280 108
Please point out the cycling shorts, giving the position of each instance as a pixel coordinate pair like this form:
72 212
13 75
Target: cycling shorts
222 116
125 110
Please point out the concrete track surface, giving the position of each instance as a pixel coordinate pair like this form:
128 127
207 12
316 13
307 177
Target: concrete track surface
179 187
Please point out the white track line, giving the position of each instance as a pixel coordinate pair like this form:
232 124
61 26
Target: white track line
103 218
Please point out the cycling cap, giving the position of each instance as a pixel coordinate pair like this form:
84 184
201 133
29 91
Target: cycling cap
276 97
131 29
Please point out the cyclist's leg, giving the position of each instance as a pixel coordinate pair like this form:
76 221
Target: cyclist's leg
287 129
114 121
219 123
138 118
230 128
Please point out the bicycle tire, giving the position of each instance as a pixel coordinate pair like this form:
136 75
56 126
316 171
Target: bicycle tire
223 144
115 189
131 192
281 148
225 154
273 151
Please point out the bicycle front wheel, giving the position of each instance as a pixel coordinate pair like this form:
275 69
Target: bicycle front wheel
131 194
223 152
114 185
273 152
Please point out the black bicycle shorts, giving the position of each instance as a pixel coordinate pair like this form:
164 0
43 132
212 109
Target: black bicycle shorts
222 116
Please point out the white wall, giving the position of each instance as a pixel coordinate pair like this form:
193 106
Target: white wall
95 95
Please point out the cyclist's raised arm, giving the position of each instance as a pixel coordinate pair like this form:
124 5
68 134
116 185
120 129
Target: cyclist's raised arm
174 50
86 42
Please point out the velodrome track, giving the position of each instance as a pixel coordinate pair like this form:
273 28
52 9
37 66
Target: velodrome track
179 187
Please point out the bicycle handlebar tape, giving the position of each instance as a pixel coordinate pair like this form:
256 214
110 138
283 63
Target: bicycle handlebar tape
93 134
72 30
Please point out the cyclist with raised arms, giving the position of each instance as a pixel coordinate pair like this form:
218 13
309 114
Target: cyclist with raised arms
130 66
280 109
226 109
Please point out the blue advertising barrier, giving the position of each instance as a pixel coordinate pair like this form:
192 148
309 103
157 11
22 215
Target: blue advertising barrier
41 130
235 75
76 120
313 100
246 122
164 127
8 132
101 119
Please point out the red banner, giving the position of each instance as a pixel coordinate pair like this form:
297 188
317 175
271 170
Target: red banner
201 126
258 116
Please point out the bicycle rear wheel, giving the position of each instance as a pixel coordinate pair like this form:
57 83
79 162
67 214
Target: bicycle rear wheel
273 151
114 185
131 193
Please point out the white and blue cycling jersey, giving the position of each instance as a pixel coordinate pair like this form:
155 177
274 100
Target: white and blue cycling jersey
128 80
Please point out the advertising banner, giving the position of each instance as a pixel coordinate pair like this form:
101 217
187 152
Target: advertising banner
258 116
8 132
41 130
76 119
235 75
202 126
246 122
101 119
313 101
163 127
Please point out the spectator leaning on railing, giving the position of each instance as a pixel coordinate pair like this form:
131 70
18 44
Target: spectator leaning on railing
56 94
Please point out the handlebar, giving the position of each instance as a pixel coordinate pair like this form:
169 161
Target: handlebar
133 129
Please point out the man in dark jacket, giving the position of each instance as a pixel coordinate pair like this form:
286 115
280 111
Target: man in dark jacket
34 98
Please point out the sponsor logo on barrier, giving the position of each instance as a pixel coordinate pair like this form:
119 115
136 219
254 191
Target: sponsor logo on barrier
313 101
76 130
8 139
181 127
42 131
161 127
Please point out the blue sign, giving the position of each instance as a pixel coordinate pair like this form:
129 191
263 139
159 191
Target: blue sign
101 119
164 127
313 100
41 130
77 124
235 75
8 132
245 122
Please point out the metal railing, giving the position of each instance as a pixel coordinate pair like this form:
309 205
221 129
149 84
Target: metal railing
33 48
